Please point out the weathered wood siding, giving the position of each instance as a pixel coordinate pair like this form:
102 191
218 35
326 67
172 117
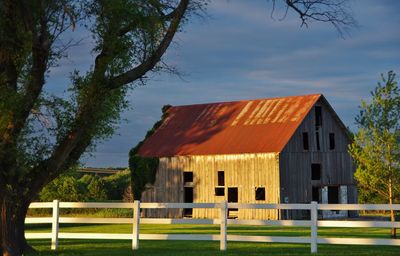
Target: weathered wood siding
337 167
286 176
244 171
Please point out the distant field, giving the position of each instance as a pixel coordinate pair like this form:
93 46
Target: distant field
192 248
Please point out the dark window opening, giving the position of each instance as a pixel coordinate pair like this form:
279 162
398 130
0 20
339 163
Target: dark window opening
221 178
318 116
331 141
333 195
219 191
188 198
305 141
315 194
315 171
260 193
317 140
187 177
233 197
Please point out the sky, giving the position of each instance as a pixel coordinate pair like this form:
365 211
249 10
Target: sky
238 52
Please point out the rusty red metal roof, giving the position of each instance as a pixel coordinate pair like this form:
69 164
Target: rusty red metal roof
250 126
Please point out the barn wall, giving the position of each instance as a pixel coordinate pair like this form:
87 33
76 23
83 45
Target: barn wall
245 171
168 187
337 167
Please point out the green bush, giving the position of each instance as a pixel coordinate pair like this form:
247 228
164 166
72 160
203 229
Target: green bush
116 184
75 187
65 188
96 189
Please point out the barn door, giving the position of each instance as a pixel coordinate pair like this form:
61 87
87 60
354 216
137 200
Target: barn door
188 198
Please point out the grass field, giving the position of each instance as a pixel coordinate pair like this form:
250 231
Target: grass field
192 248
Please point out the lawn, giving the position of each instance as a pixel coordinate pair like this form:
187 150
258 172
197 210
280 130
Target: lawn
188 248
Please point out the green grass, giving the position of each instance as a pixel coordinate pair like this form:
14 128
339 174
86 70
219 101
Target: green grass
192 248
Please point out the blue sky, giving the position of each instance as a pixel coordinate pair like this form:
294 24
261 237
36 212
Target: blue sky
239 52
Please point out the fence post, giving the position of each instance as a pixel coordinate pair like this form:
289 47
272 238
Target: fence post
136 225
55 224
223 228
314 226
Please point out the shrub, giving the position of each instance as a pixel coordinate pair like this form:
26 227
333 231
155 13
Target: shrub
64 188
75 187
116 184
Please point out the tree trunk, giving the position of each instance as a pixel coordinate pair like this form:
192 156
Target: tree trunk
392 212
12 227
393 219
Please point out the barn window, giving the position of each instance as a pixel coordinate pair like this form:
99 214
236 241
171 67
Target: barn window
233 195
219 191
318 116
305 141
221 178
187 177
331 141
317 140
260 193
315 171
315 194
333 195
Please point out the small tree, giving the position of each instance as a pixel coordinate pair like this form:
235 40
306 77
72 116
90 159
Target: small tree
376 146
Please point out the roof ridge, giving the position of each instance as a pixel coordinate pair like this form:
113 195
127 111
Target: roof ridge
257 99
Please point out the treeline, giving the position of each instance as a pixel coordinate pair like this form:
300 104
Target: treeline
79 187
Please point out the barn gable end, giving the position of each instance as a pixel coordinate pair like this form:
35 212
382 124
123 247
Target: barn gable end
318 148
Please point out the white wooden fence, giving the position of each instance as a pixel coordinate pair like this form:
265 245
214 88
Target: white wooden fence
223 237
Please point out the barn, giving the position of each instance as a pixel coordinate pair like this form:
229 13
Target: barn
275 150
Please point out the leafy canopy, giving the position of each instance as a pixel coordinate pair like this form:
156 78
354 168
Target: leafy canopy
376 146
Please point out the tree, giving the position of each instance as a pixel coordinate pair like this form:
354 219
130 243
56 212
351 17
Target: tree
376 145
42 135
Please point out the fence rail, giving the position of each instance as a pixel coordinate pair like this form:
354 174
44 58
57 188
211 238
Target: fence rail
223 221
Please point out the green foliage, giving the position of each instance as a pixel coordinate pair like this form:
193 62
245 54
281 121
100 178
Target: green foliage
366 196
65 188
144 169
116 184
42 135
96 189
376 146
74 186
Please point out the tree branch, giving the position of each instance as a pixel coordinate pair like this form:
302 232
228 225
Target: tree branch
8 51
70 148
160 14
331 11
40 54
140 70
